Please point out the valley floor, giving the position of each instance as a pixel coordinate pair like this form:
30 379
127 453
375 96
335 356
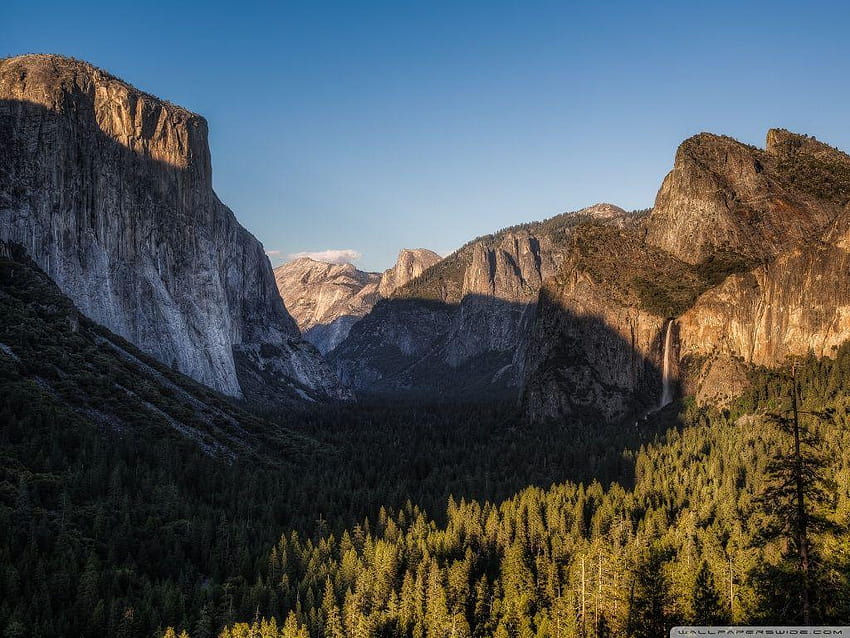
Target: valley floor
570 530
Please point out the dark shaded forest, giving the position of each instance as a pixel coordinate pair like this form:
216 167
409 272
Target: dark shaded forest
405 520
420 522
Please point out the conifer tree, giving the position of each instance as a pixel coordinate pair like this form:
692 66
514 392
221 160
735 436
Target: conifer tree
649 613
708 609
797 487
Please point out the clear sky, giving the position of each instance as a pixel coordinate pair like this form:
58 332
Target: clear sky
372 126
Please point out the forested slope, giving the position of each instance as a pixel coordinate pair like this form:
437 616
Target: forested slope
700 536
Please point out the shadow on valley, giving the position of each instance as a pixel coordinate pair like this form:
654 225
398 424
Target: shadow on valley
428 351
505 472
484 349
116 518
426 429
101 490
389 455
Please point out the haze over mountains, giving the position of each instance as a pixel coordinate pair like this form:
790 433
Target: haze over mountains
327 299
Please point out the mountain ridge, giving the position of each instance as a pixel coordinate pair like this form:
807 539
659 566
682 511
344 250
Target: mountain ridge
474 308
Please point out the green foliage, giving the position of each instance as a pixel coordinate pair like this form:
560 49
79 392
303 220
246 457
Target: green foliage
720 265
671 296
708 609
650 600
133 528
664 297
825 177
582 560
636 274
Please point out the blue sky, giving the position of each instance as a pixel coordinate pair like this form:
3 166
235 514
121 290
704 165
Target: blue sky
372 126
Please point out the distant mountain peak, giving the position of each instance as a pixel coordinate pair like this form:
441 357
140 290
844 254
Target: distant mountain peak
326 299
411 263
602 210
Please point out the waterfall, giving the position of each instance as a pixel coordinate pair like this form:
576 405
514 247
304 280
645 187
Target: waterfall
666 382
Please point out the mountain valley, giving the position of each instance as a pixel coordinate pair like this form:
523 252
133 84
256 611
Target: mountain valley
600 424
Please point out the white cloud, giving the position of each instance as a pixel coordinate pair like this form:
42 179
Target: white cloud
276 254
340 256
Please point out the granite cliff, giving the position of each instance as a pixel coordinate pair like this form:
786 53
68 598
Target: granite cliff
109 190
723 195
742 261
459 330
327 299
411 263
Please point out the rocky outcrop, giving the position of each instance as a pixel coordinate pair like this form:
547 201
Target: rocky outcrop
410 264
327 299
725 196
797 304
512 269
745 252
110 191
597 346
460 329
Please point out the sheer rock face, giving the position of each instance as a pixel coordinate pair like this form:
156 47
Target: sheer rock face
798 301
327 299
797 304
460 329
109 189
746 251
512 270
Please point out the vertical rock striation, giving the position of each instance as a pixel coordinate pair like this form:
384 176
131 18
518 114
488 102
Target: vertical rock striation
109 190
459 330
411 263
797 304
